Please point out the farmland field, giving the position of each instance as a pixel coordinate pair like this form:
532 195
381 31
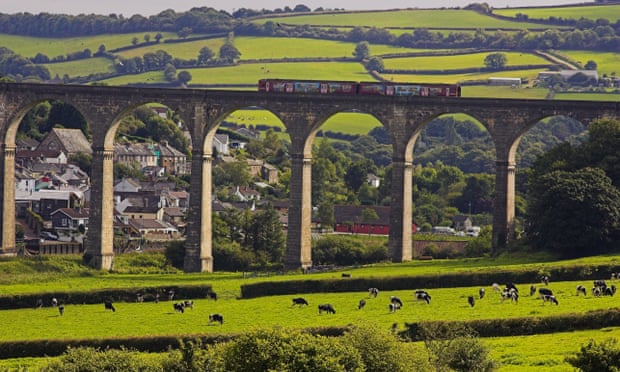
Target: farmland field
612 97
457 78
606 62
420 18
81 67
52 47
472 60
593 12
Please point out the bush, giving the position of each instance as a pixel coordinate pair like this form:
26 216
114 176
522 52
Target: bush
87 359
346 251
597 356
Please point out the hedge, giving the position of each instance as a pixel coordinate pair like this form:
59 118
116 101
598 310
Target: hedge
455 280
98 296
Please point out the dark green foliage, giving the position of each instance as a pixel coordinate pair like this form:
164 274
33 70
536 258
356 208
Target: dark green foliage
595 356
88 359
342 250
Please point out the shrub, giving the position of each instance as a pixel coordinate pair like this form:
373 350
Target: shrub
345 251
90 359
597 356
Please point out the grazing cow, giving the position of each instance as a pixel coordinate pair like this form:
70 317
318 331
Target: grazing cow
328 308
139 297
39 304
613 276
394 306
545 292
544 279
108 305
421 295
581 289
179 307
171 295
609 291
373 292
510 286
61 310
471 300
300 301
346 275
496 287
532 290
157 298
596 291
396 301
600 283
361 304
550 299
216 318
481 293
510 294
188 303
54 301
212 296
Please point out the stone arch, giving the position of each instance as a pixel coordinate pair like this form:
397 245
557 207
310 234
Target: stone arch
17 112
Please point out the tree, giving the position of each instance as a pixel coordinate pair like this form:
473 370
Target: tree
266 236
326 215
205 55
147 38
375 64
590 65
597 356
158 37
573 213
229 53
495 61
184 32
362 50
184 77
170 72
134 41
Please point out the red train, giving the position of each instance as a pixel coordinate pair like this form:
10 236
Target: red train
358 88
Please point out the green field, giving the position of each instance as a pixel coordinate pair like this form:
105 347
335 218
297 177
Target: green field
30 46
593 12
486 91
606 62
81 67
184 50
420 18
458 78
611 97
472 60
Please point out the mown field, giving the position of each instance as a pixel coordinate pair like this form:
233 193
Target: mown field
606 62
609 12
472 60
418 18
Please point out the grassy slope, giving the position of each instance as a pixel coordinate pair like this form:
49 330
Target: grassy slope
609 12
420 18
607 62
473 60
29 46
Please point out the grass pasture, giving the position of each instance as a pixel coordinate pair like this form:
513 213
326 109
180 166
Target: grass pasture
82 67
593 12
611 97
473 60
606 62
29 46
135 319
459 78
420 18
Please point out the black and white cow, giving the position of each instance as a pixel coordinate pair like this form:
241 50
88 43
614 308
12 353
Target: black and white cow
217 318
61 310
109 306
481 293
54 301
361 304
496 288
188 303
613 276
512 286
532 290
395 300
299 301
471 300
609 291
545 292
544 279
39 304
373 292
394 306
510 294
212 296
171 294
179 307
328 308
550 299
581 289
422 295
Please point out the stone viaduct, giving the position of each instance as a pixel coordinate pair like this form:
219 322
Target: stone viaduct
506 120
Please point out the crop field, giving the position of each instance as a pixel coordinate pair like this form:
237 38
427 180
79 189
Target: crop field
83 67
472 60
52 47
184 50
610 12
421 18
606 62
457 78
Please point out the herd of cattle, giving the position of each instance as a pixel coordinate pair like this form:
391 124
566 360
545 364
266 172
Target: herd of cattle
509 292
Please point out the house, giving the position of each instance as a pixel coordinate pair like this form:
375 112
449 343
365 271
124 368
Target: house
254 167
350 219
69 219
44 202
69 141
24 181
178 199
26 143
245 193
568 74
461 222
373 181
154 212
174 216
171 159
154 229
139 155
269 173
127 185
29 157
220 144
